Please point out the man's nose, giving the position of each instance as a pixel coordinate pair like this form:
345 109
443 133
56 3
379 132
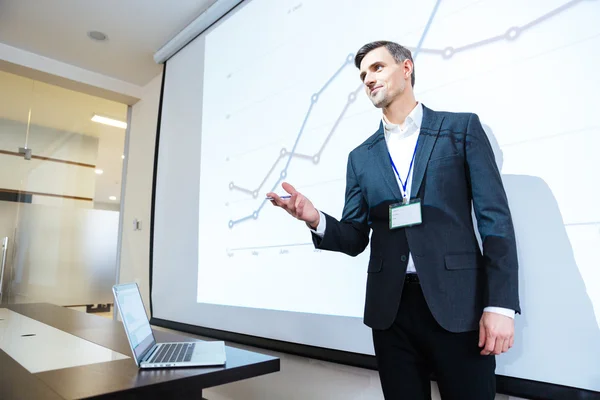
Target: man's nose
369 81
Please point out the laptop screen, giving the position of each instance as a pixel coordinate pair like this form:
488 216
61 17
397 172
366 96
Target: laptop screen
134 317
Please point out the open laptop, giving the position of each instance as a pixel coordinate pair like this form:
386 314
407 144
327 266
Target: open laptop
149 354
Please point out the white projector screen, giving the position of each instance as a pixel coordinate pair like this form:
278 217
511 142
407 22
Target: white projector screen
270 94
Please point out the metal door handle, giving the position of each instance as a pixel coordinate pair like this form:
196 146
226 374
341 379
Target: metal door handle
4 251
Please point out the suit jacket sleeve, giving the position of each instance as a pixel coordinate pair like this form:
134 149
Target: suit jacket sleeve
494 220
351 234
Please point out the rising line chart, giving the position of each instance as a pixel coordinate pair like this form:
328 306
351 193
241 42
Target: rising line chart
448 52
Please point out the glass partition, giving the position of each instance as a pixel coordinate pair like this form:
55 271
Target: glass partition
61 157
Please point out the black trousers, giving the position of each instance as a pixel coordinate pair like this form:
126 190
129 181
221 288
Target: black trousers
416 346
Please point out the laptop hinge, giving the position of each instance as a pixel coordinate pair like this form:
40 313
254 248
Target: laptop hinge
149 353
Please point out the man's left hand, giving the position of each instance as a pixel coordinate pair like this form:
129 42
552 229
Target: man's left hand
496 333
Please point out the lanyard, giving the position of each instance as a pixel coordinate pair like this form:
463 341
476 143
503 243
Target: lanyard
404 184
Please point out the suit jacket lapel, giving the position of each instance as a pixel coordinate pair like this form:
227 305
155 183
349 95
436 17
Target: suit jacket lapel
379 155
430 128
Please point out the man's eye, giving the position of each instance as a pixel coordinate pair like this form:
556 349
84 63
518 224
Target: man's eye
378 67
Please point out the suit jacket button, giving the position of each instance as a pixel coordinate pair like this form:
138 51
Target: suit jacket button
403 258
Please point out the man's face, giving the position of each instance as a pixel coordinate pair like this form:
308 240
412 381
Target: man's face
384 79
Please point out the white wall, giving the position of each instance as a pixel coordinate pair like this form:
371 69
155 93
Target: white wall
137 197
34 66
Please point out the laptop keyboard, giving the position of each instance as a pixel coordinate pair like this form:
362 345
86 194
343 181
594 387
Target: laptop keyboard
174 352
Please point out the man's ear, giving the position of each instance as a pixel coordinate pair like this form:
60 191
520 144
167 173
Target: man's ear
408 68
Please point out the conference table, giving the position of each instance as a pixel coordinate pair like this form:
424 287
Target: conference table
96 360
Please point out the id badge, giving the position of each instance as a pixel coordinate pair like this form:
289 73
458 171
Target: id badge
403 215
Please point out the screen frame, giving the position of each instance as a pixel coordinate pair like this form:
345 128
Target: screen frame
140 351
507 385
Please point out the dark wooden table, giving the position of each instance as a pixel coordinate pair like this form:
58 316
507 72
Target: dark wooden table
119 379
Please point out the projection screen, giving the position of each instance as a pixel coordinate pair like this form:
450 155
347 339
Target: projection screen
270 94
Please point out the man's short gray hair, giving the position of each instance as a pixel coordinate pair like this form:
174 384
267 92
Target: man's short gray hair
400 53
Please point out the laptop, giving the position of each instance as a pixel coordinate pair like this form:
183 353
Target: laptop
149 354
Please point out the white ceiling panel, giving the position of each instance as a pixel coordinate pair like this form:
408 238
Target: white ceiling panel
136 29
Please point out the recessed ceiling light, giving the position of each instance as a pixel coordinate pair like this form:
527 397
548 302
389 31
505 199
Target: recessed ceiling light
98 36
123 157
109 121
99 171
113 198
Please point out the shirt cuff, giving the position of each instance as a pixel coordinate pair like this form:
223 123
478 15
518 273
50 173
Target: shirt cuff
499 310
320 231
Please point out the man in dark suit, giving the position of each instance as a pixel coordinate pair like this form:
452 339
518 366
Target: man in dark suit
434 300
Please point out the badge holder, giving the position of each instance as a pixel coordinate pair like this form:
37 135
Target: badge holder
405 214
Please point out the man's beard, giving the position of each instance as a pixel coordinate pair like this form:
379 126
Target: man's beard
384 97
380 101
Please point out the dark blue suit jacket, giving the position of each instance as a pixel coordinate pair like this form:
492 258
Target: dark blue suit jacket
454 168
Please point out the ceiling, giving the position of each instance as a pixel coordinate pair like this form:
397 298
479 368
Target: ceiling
136 29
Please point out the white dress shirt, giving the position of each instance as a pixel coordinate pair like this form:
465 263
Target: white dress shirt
401 142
